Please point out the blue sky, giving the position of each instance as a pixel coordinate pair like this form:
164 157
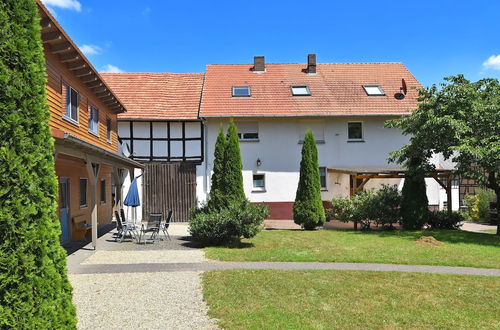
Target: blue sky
433 39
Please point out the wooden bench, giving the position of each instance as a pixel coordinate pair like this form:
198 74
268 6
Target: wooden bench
79 228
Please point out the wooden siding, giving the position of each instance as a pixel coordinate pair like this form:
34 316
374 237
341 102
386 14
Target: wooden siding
74 169
57 75
169 186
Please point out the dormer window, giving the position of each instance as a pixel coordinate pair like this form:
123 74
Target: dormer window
241 91
373 90
300 91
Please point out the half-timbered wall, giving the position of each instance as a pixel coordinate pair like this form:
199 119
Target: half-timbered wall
163 141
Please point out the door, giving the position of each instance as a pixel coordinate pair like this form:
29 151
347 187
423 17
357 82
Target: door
64 208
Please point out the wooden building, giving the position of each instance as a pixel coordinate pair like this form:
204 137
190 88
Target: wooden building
83 120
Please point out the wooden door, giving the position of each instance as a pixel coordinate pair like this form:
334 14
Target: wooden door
169 186
64 208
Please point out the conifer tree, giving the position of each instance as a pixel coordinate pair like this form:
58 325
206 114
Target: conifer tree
34 289
232 182
216 201
308 209
414 202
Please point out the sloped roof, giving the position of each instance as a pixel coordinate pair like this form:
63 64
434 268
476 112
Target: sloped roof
157 95
336 90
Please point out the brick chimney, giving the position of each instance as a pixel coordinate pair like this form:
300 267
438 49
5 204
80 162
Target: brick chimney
311 63
258 64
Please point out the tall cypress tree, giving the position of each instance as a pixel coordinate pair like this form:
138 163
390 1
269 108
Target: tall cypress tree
216 200
308 209
232 182
414 202
34 288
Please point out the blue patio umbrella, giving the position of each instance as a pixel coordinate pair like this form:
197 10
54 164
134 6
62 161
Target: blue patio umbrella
132 198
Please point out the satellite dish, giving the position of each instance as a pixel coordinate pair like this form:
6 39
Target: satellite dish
126 149
399 96
403 88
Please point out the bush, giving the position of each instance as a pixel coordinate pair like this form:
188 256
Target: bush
479 205
239 219
445 220
216 199
34 289
385 206
308 208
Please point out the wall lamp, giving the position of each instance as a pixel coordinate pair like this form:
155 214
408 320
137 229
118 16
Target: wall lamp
259 162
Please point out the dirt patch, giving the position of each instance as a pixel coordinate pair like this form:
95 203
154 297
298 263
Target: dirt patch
428 240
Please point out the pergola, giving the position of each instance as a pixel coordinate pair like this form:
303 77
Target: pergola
367 173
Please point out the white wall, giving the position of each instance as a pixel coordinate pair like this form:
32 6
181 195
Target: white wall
279 150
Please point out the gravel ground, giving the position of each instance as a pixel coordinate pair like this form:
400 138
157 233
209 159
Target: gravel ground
145 257
140 301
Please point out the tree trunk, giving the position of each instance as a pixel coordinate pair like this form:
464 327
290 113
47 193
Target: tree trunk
497 192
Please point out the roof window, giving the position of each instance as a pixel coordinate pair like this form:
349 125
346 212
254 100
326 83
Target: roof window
241 91
373 90
300 91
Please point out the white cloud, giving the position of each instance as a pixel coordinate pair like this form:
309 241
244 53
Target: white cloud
111 69
64 4
90 49
493 62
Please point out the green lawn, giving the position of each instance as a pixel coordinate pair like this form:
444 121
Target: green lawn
460 248
276 299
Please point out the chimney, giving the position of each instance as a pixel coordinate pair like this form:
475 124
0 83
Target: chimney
311 63
258 64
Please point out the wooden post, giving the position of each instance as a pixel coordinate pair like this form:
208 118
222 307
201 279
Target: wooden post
354 191
448 194
93 174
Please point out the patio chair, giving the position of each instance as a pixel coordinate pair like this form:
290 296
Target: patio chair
128 228
164 226
152 226
119 226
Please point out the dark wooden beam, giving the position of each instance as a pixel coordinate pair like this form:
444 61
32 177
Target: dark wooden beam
107 99
103 94
69 57
98 88
89 78
62 47
83 72
111 102
52 36
46 24
77 65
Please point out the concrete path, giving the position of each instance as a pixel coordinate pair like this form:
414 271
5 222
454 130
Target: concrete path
476 227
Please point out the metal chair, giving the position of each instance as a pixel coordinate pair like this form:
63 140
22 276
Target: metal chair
128 228
152 226
119 226
164 226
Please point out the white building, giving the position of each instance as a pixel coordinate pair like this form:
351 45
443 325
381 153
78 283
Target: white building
174 119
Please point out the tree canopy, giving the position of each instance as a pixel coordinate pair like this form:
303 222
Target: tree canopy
461 120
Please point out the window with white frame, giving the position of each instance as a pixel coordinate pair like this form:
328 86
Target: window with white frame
322 177
355 131
72 100
259 182
300 91
241 91
93 120
248 131
373 90
316 126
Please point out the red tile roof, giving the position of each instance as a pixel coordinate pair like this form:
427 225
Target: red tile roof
336 90
157 95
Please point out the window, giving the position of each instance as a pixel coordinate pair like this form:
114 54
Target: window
373 90
322 177
94 120
259 182
71 104
108 129
241 91
355 131
83 192
300 91
316 126
248 131
103 191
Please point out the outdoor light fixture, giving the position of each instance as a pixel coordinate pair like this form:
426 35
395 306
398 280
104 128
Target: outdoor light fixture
259 162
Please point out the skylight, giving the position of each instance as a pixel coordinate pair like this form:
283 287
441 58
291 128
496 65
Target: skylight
241 91
300 91
373 90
